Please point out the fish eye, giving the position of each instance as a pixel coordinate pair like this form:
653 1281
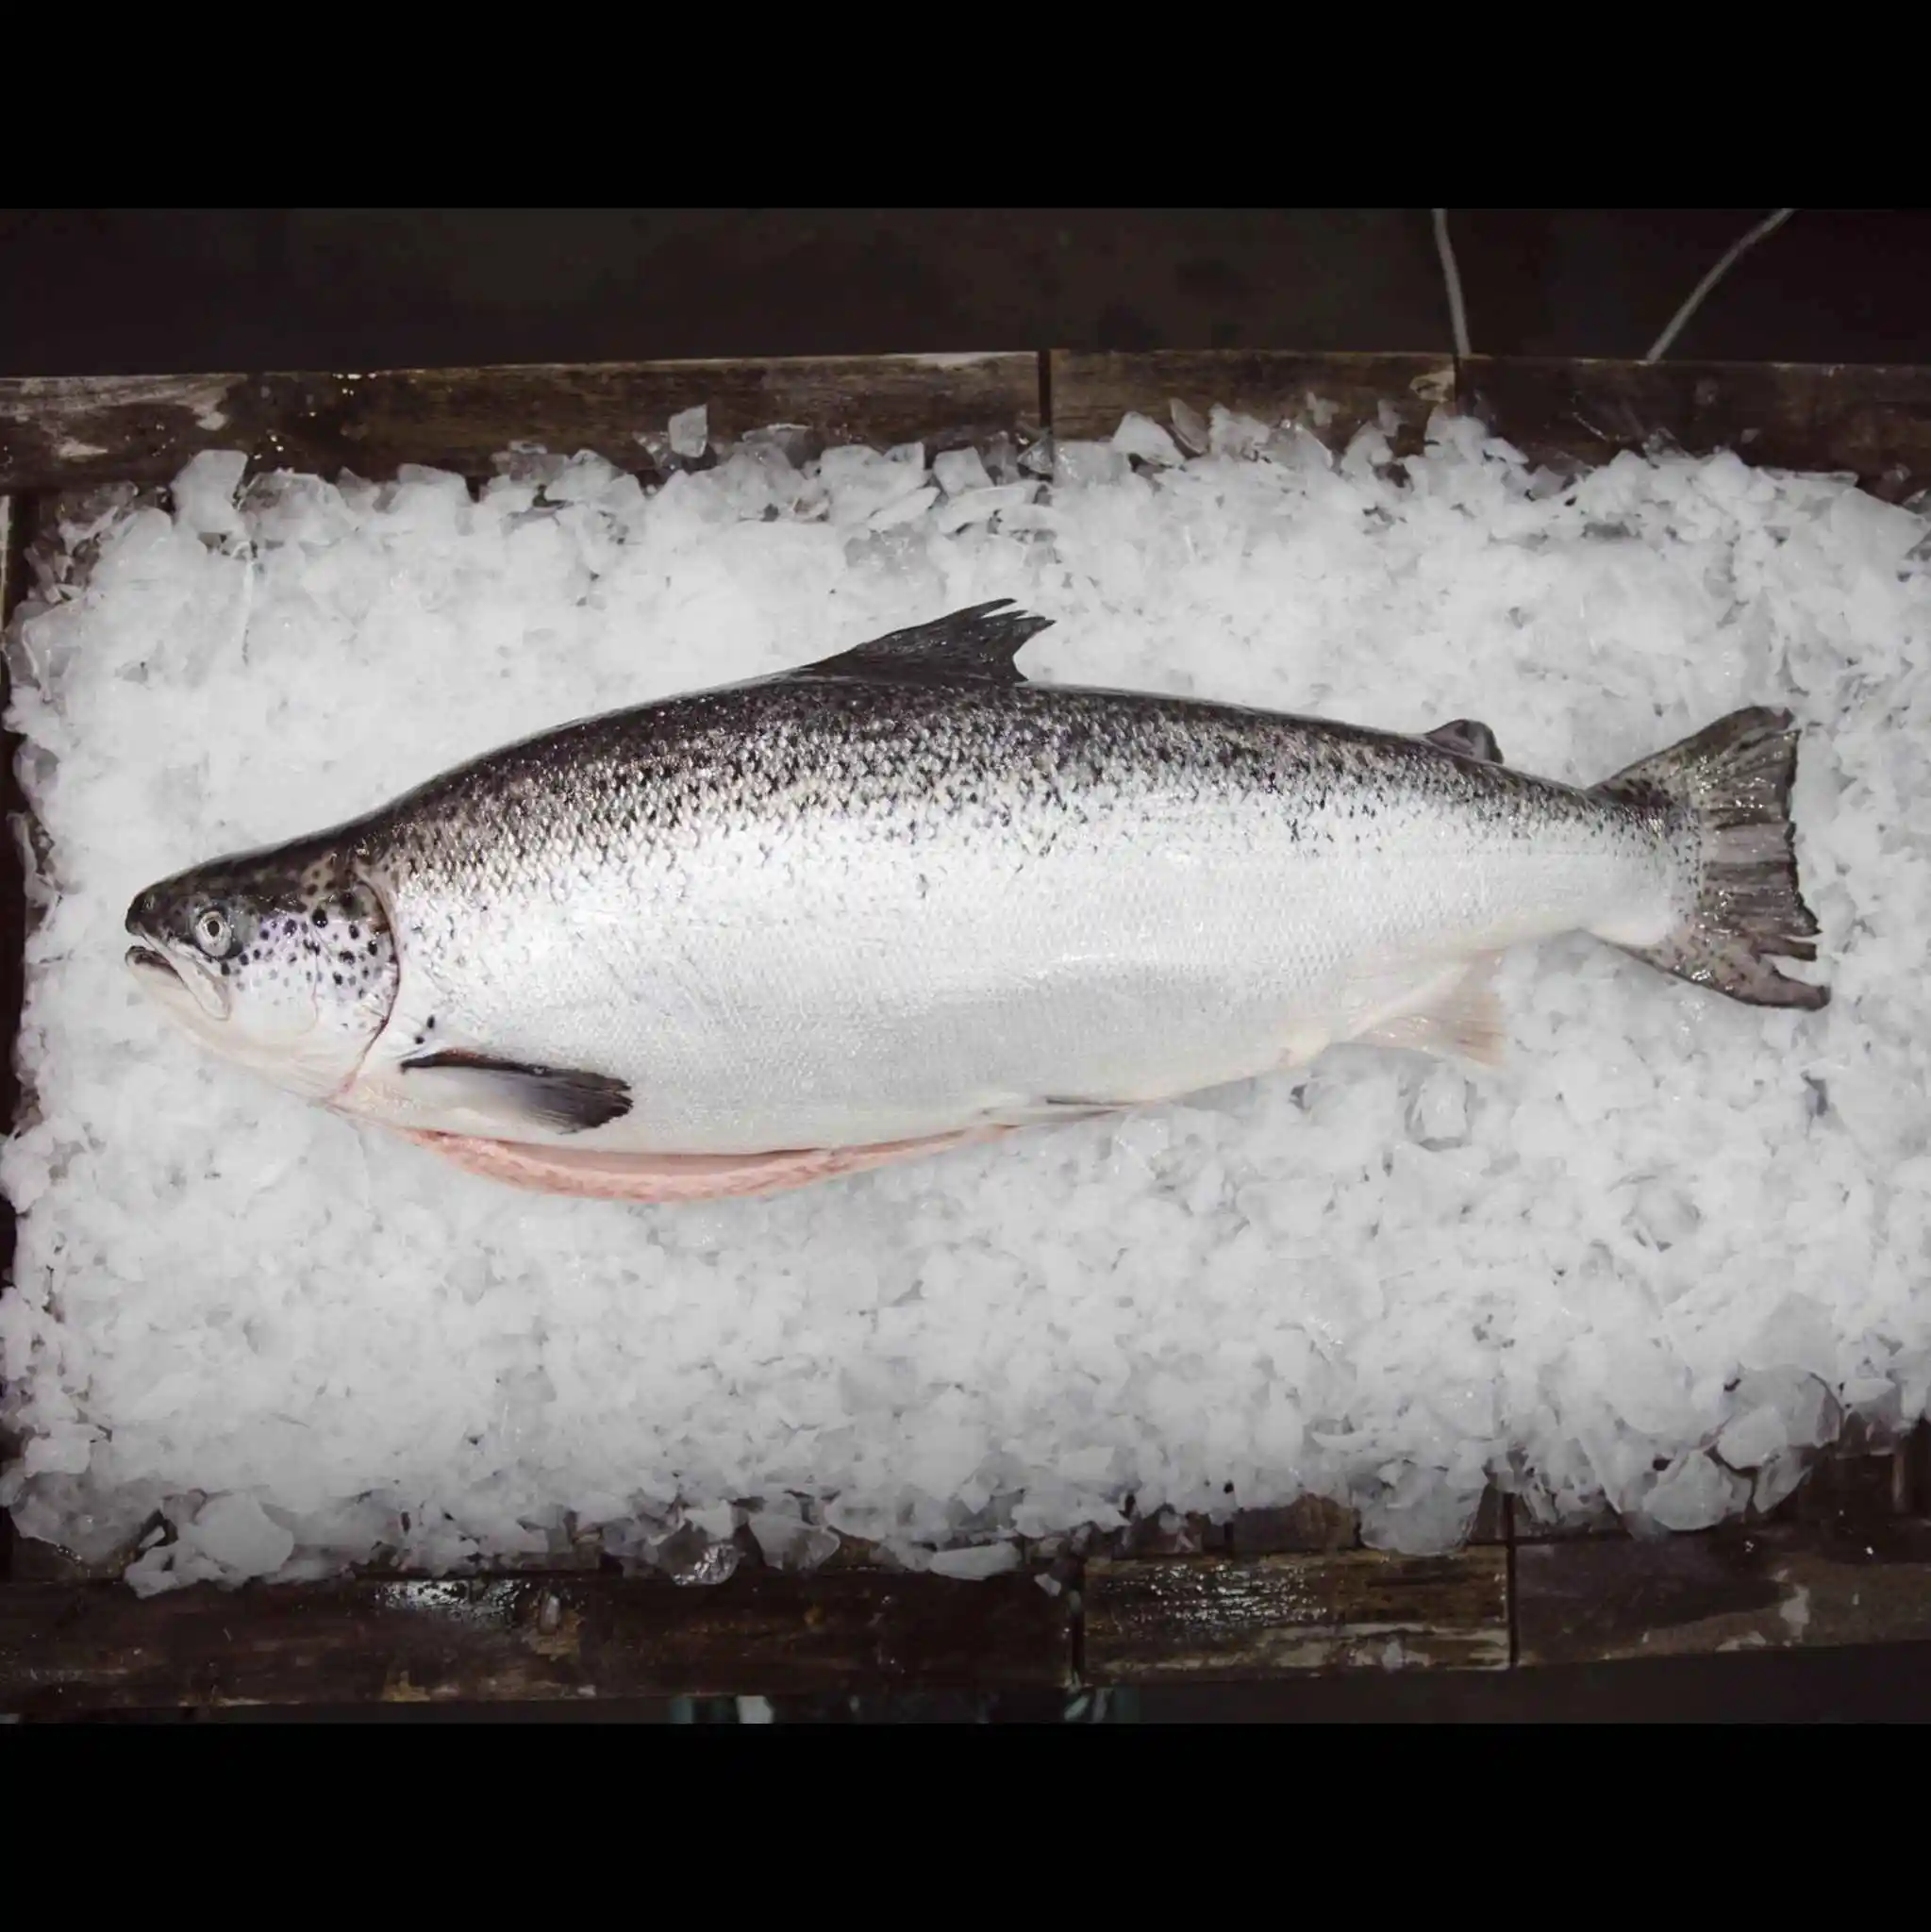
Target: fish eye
212 932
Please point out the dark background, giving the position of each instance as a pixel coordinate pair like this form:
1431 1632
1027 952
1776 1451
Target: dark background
135 291
128 290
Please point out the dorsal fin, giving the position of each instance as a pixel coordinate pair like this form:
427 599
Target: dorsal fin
978 643
1466 736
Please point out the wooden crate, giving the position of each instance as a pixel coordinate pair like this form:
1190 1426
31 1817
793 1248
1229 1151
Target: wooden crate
1847 1559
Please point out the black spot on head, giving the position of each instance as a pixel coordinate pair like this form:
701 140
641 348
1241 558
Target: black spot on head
338 979
320 915
347 957
355 932
429 1025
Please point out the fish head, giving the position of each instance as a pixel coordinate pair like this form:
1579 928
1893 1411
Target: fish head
283 960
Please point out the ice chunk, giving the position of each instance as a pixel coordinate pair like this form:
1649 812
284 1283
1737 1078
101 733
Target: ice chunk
1796 1334
1188 427
1438 1115
1776 1479
1140 435
1424 1514
63 1448
957 470
1878 534
1088 462
1807 1411
788 1542
906 510
981 505
235 1532
204 491
1753 1437
1693 1492
1230 434
690 430
976 1561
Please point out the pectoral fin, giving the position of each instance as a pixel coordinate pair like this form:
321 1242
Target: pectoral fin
559 1100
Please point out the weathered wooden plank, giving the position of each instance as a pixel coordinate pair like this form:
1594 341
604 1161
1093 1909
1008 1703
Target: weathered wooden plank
63 431
1845 1490
13 518
1199 1618
1568 414
1309 1522
563 1636
1331 395
1763 1587
7 567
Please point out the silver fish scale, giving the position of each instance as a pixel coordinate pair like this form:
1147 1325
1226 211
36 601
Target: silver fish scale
824 911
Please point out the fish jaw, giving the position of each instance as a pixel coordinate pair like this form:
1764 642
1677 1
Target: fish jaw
184 989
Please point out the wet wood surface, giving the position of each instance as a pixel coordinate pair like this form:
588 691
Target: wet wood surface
1331 396
63 431
1571 414
1595 1599
1195 1619
565 1636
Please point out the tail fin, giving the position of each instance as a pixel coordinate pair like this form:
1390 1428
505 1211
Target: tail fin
1734 782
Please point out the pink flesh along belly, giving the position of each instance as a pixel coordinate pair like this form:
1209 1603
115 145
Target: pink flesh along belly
662 1177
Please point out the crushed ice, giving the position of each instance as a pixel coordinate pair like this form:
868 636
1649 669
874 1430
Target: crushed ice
1652 1265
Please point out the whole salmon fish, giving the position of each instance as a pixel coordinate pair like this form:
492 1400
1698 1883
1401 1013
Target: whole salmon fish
903 898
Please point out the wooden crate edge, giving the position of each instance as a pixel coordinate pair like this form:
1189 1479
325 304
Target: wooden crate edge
67 432
524 1637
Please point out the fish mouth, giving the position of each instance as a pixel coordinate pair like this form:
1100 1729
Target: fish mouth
173 984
